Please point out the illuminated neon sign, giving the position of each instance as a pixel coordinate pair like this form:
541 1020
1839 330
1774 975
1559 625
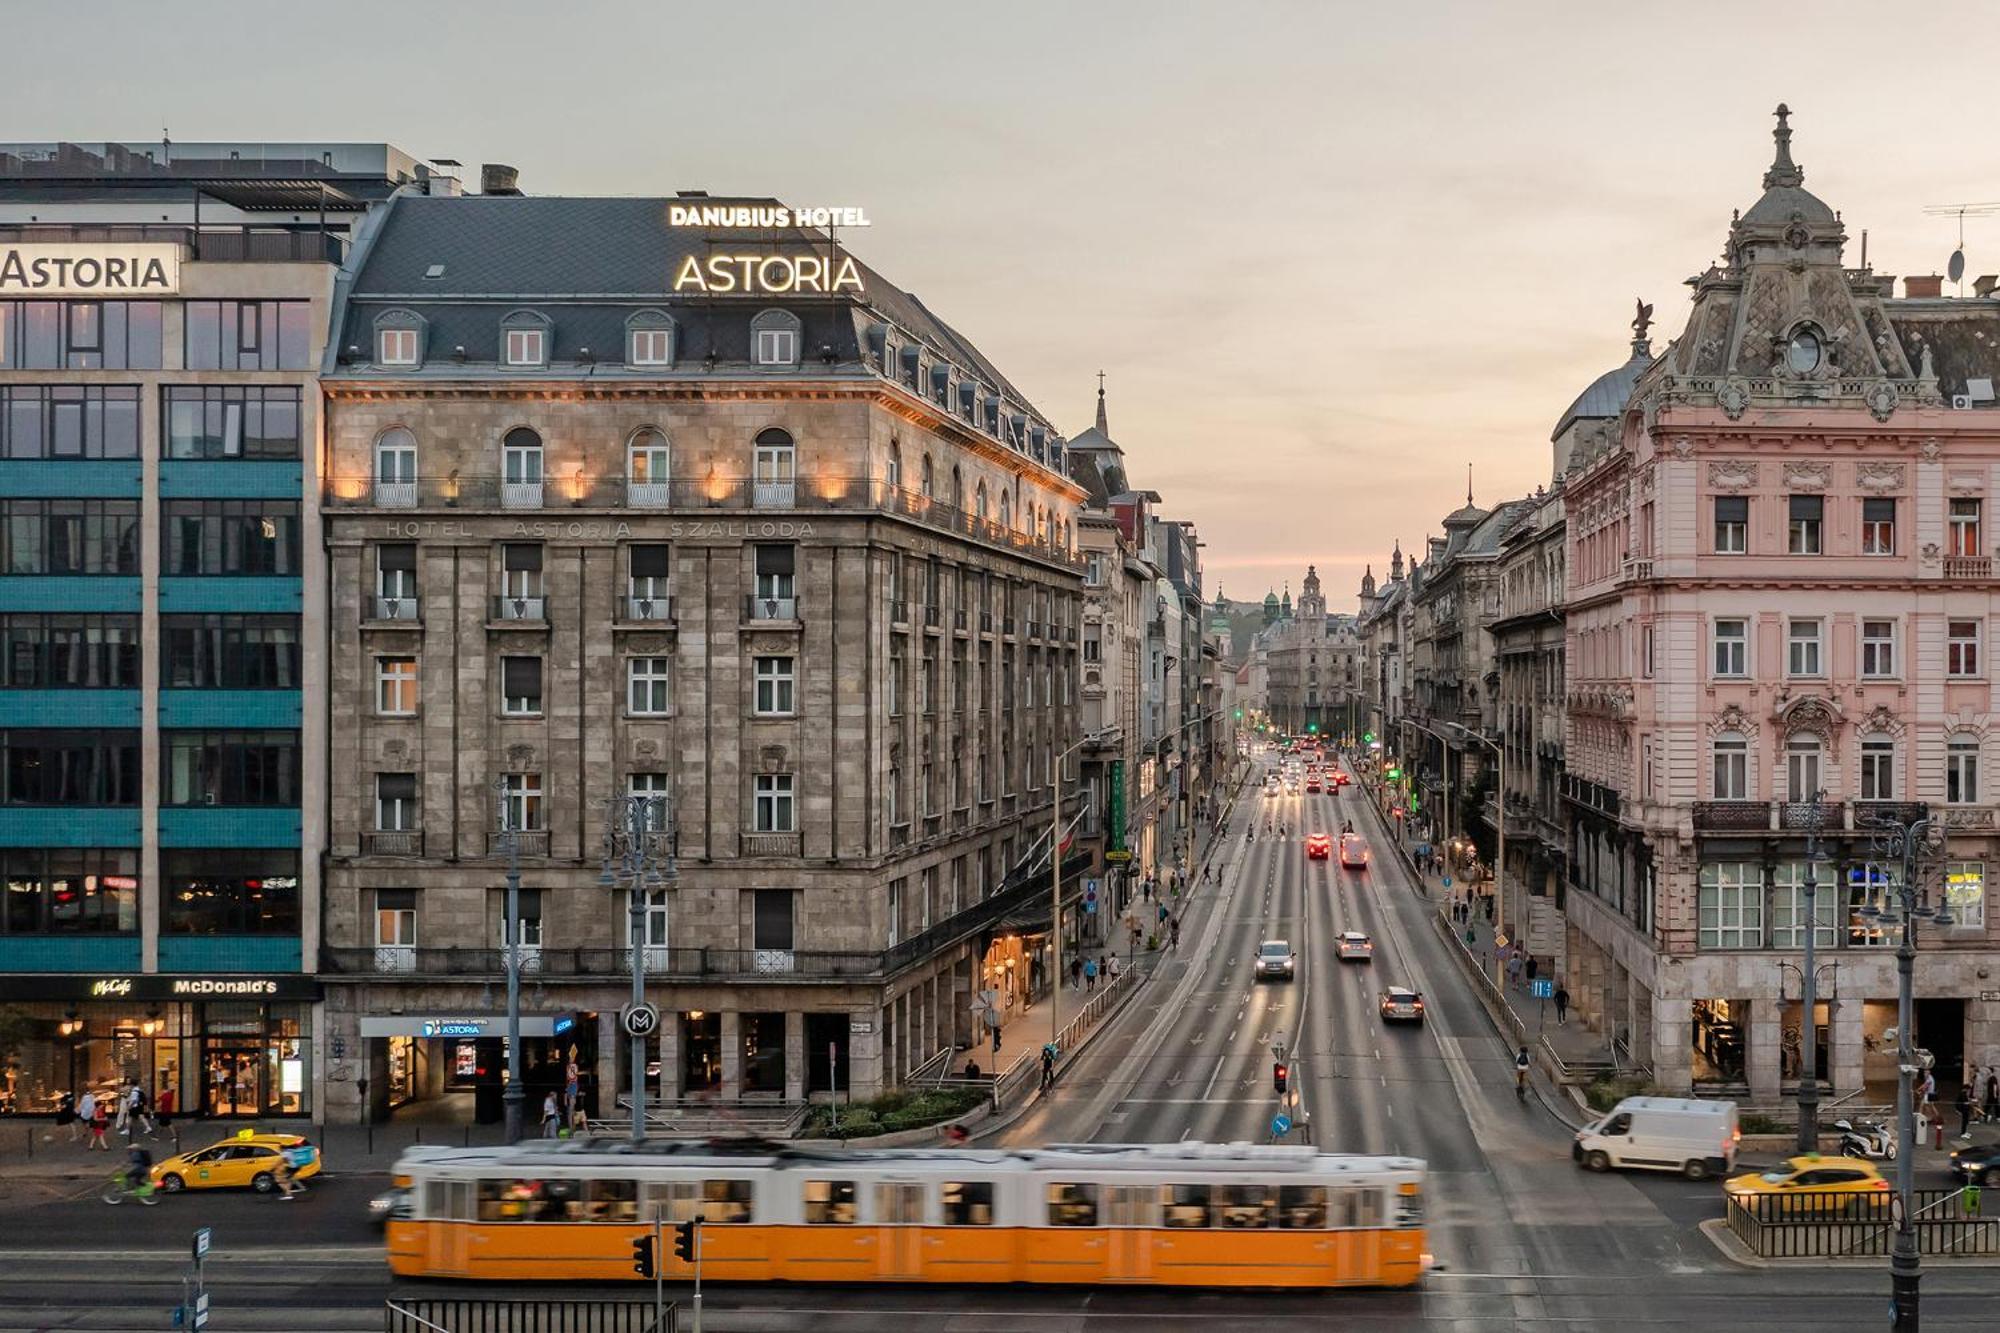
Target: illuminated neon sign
774 275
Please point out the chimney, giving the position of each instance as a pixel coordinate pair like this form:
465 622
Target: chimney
497 178
1917 289
1984 285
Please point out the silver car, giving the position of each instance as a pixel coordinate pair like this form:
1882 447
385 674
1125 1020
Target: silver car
1275 959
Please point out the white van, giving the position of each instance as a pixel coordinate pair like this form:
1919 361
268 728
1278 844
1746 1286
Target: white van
1696 1138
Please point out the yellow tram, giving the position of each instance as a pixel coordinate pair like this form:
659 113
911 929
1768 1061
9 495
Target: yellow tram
1185 1214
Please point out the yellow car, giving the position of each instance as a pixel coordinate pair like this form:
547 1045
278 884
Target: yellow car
248 1159
1817 1183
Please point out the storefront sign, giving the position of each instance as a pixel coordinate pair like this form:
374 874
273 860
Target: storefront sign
761 217
158 986
770 275
738 529
90 270
457 1026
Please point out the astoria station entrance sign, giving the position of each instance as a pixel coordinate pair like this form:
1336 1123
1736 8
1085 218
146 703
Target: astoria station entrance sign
725 270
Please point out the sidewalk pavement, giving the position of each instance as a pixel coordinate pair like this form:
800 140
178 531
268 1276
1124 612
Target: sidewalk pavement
39 1149
1572 1042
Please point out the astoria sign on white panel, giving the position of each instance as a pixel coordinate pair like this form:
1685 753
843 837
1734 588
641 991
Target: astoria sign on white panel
106 269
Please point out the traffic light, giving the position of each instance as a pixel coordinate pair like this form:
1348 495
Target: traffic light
1280 1074
642 1256
684 1241
1312 728
1367 738
1395 773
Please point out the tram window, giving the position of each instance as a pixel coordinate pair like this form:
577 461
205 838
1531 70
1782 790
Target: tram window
967 1203
1302 1207
1243 1206
1358 1208
830 1202
1072 1205
725 1201
1134 1206
611 1201
1184 1205
448 1200
898 1203
519 1200
669 1201
1409 1207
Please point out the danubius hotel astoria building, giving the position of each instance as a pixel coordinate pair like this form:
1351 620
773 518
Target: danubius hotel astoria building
626 497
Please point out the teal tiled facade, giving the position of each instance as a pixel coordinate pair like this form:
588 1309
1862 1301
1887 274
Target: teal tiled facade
70 953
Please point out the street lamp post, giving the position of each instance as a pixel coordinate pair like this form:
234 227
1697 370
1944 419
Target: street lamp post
630 826
1500 828
512 1096
1908 842
1811 814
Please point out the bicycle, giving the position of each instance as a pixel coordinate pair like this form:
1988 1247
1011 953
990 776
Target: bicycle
120 1188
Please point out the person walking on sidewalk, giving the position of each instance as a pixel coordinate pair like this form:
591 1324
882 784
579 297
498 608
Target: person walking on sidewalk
100 1124
66 1115
1562 1005
550 1116
1090 974
1964 1105
86 1110
1993 1093
1048 1065
1533 967
1175 925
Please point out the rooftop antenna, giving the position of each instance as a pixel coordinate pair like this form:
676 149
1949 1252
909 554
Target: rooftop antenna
1955 269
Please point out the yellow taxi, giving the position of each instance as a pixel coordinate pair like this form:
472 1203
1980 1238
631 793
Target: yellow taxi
248 1159
1811 1181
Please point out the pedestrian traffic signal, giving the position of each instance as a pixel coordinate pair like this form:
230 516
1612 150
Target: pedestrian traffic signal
1395 773
1239 715
1280 1074
642 1256
684 1241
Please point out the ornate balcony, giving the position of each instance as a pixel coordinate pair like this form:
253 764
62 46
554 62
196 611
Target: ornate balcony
1733 816
1968 567
770 844
392 842
392 608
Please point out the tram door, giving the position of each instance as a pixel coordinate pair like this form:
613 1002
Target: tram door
899 1211
1130 1210
450 1203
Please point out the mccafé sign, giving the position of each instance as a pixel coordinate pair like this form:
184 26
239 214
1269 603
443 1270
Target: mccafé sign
90 270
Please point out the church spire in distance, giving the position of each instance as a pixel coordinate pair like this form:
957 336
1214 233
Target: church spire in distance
1102 429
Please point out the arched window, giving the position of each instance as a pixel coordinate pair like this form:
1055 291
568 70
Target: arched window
396 469
524 339
957 489
925 481
1802 767
521 469
1732 767
1006 517
1961 770
774 469
895 474
979 501
649 339
774 338
648 469
1878 767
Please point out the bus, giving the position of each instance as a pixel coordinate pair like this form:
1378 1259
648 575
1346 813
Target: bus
1179 1214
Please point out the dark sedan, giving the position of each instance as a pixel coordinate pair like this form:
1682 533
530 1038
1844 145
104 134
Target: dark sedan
1977 1164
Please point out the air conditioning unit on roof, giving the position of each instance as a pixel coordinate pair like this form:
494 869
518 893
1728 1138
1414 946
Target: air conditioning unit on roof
1961 401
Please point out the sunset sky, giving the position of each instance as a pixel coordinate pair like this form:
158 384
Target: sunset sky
1327 254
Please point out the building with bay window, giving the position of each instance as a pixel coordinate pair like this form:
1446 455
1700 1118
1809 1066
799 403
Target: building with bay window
161 318
1780 613
801 563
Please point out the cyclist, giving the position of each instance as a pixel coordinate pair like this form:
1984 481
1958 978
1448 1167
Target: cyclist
1521 1074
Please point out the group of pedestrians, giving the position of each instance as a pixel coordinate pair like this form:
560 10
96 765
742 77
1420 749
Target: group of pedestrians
127 1111
1466 905
1978 1098
1084 973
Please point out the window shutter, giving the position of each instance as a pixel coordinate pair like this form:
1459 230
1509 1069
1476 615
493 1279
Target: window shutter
774 560
649 562
521 677
1878 511
522 556
396 786
1732 509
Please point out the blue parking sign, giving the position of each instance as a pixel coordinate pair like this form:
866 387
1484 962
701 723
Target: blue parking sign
1543 988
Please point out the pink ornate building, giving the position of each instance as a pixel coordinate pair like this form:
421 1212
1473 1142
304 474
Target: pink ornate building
1780 583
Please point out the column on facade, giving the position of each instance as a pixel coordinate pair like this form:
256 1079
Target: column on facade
732 1055
672 1065
1761 1058
795 1055
1673 1043
1845 1048
610 1041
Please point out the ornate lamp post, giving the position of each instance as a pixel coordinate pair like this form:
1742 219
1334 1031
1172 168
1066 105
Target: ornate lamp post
1809 815
513 1094
635 836
1903 904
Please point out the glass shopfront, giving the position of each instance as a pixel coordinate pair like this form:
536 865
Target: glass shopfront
224 1057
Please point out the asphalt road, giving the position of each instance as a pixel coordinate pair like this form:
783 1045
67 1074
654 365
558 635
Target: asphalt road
1525 1239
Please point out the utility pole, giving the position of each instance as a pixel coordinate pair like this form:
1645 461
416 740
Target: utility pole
513 1094
1907 842
1813 813
631 826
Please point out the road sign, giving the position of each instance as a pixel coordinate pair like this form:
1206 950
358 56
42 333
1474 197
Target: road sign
1542 988
1119 854
1447 881
201 1238
640 1020
201 1310
1499 941
1090 895
1281 1123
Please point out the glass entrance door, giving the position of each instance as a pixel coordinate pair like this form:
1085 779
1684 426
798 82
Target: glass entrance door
235 1078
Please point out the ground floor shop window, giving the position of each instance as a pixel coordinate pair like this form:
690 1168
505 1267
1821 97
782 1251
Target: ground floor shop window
212 1059
763 1052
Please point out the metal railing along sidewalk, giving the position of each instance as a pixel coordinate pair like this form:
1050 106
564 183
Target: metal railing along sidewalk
407 1314
1834 1224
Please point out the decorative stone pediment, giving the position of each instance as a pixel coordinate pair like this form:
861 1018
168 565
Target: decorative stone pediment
1965 483
1930 553
521 757
645 749
1881 399
1731 718
1883 721
1810 713
1880 478
1733 398
1931 449
1733 474
772 759
1806 477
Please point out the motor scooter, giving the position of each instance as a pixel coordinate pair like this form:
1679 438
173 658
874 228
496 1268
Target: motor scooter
1866 1139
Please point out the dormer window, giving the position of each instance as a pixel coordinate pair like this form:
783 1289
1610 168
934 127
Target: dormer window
525 339
399 339
774 338
649 339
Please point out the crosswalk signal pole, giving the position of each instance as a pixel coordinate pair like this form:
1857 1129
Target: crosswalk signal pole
659 1276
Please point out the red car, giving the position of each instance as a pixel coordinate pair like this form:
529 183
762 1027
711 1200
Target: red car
1313 783
1319 846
